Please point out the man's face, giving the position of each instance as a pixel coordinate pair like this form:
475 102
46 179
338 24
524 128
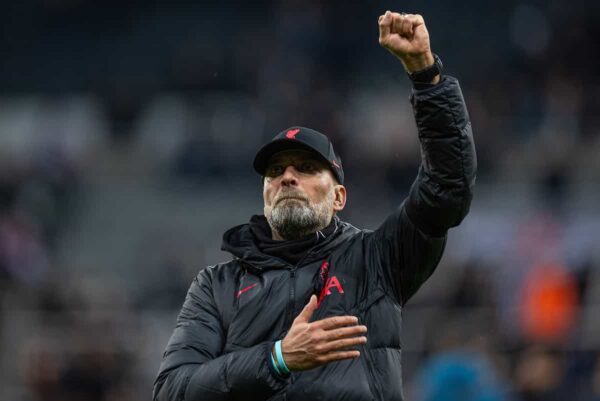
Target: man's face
300 194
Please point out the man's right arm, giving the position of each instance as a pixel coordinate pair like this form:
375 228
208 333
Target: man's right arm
193 367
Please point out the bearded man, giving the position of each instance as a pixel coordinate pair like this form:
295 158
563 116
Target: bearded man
310 306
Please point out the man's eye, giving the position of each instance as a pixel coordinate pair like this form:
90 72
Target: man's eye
274 171
307 167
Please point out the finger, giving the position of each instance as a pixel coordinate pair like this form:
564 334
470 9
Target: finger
397 23
338 356
307 312
407 26
416 20
344 332
335 322
402 24
339 345
385 22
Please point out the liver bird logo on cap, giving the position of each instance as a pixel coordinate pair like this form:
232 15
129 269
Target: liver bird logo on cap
292 133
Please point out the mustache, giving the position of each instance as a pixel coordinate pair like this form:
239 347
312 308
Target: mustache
290 195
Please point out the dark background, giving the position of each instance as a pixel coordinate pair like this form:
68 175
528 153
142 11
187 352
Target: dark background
127 131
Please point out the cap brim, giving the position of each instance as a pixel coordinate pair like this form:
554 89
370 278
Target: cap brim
266 152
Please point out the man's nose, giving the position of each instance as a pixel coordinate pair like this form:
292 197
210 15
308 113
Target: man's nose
289 176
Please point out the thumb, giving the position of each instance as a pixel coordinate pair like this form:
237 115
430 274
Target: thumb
385 26
308 310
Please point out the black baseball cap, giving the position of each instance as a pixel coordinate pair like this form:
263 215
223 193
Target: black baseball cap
304 139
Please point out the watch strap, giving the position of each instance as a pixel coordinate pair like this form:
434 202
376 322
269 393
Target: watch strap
426 75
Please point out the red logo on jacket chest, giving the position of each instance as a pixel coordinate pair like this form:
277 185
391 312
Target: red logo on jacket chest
330 283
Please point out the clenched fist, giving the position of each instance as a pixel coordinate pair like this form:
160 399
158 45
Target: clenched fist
406 37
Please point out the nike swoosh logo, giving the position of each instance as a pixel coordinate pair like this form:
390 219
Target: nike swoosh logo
243 290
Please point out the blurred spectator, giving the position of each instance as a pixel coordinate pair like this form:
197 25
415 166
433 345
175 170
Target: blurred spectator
22 253
42 371
594 394
550 303
459 375
540 374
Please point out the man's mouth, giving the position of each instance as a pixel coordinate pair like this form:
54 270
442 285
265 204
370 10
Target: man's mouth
290 198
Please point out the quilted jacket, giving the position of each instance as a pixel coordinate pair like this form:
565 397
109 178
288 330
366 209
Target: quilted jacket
234 311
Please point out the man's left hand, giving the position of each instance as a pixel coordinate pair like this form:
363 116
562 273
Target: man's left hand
406 37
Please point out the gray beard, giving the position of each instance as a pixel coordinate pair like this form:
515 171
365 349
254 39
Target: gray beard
295 219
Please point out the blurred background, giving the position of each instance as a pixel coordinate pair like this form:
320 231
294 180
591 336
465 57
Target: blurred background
127 131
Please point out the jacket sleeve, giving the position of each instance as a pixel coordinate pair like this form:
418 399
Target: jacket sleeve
411 241
195 369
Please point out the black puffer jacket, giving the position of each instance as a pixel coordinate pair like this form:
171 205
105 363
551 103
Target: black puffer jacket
234 311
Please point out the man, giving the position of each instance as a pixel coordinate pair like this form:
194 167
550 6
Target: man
289 317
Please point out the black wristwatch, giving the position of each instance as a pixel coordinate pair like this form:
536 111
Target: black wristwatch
426 75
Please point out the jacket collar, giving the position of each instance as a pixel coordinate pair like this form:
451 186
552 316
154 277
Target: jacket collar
243 244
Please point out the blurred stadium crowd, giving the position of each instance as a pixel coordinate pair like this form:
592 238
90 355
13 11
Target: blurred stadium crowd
127 132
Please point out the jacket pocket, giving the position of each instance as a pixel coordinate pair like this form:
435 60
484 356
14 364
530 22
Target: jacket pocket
374 383
361 310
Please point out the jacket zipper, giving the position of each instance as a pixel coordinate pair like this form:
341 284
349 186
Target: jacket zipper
290 312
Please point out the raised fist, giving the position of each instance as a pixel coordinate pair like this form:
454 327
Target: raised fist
406 37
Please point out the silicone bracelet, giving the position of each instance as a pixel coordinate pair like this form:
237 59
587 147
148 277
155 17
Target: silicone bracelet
275 365
279 356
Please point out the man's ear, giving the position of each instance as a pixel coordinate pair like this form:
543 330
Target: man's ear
340 198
